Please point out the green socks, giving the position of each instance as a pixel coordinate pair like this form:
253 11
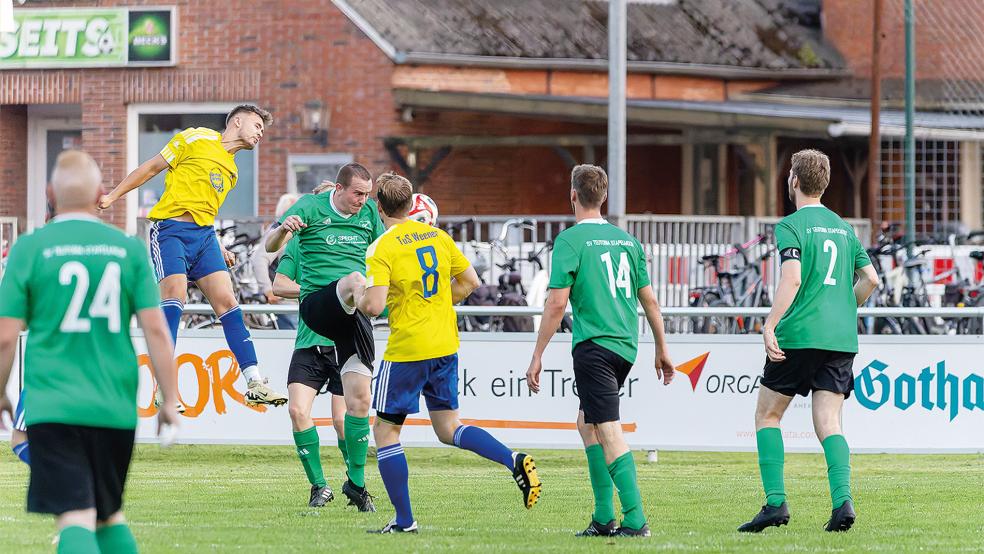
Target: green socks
116 539
309 451
344 449
601 484
357 444
771 459
838 457
623 474
77 540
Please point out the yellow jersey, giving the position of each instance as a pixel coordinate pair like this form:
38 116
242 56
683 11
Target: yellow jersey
201 174
417 261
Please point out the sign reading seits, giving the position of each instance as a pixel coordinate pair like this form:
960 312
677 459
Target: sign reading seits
88 37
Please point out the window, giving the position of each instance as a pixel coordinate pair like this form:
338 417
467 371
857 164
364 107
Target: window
304 172
154 132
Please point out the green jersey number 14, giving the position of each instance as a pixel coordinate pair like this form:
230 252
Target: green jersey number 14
620 279
105 302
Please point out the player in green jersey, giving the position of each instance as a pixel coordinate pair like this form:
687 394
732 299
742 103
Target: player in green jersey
313 370
811 338
602 270
75 284
333 230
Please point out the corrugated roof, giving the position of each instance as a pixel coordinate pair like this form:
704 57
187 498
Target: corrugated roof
754 34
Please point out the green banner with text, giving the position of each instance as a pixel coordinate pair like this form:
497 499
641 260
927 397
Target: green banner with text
88 37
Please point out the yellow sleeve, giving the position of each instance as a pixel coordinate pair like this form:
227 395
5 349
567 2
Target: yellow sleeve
176 149
459 263
377 266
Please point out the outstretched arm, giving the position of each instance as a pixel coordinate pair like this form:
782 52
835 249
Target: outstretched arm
137 177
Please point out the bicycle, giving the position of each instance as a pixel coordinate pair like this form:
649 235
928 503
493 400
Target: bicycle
743 287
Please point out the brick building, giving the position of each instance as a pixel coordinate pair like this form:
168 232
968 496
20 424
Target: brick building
485 105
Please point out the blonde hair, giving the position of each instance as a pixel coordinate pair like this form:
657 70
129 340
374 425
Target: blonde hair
395 194
286 201
812 169
75 180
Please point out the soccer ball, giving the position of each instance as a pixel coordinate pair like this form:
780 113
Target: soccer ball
423 209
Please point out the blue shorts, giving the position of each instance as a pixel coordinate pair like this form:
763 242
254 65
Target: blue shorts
19 414
185 248
400 384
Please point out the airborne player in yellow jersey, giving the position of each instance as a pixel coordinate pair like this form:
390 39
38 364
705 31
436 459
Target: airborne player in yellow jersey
201 171
418 273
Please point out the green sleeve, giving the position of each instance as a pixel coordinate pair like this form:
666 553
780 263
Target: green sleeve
786 237
145 291
564 264
642 268
14 284
288 262
299 209
861 258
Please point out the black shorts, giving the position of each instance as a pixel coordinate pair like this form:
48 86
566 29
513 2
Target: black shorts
809 369
599 374
316 367
75 467
322 311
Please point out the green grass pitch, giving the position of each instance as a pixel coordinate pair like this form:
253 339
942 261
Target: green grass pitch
254 499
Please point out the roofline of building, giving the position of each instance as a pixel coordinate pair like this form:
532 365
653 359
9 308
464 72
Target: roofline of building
577 64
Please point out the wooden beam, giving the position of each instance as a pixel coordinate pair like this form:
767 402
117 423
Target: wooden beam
436 141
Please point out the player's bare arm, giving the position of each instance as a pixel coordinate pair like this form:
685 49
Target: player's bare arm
285 287
161 353
463 284
373 302
867 283
145 172
553 313
279 236
10 329
789 284
650 305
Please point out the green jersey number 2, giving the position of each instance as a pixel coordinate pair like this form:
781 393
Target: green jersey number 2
830 246
105 302
618 279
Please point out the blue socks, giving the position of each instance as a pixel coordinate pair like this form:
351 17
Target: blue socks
395 473
23 453
237 336
172 308
480 442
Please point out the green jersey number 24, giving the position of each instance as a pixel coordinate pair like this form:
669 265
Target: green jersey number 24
619 279
105 302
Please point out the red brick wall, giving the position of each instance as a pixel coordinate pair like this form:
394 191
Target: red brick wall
283 58
13 170
245 51
943 28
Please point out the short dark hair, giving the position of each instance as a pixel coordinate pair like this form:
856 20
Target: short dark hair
251 108
395 194
350 171
591 184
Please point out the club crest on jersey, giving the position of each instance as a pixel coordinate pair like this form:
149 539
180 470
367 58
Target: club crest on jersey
365 224
216 179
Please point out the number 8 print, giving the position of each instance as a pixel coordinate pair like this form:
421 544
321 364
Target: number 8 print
430 270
